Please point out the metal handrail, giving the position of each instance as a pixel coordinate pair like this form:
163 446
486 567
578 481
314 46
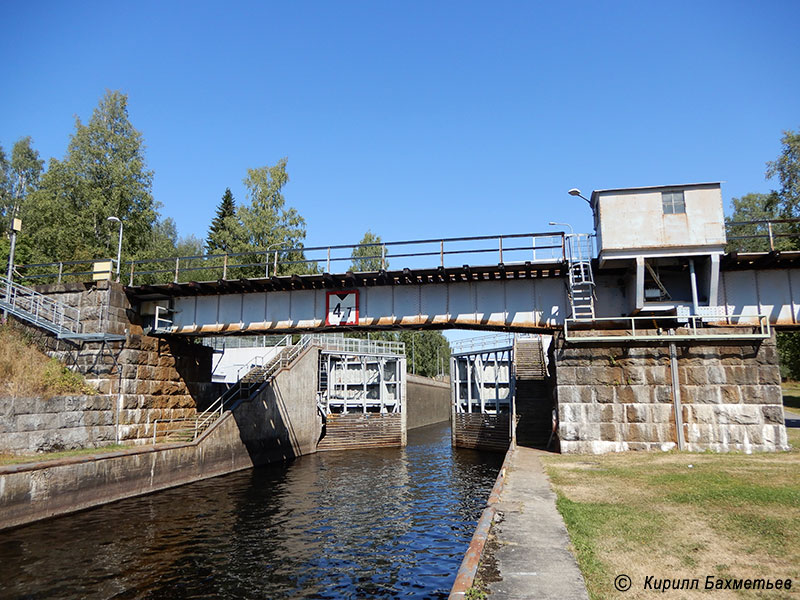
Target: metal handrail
690 327
769 236
338 343
543 246
482 342
241 390
39 309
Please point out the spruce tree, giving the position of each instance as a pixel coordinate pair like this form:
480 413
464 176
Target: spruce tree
220 232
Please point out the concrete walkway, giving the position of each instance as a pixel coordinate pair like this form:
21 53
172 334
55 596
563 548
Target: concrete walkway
532 557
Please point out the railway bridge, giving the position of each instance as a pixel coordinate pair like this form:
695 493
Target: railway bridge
661 338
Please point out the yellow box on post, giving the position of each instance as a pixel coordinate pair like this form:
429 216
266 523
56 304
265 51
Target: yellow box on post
102 270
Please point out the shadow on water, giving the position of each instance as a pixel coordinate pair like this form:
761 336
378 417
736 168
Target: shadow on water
383 523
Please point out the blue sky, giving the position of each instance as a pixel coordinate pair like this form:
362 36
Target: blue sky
415 119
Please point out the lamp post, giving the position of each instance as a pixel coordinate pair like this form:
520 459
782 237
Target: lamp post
119 244
577 192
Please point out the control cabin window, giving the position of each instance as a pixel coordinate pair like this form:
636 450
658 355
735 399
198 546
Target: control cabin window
673 203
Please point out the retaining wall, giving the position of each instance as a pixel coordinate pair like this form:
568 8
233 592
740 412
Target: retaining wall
280 423
620 397
151 378
30 425
428 401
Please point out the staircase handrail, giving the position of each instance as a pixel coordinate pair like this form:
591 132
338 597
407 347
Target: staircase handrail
217 408
39 309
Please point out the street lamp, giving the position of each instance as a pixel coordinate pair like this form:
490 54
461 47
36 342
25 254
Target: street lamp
571 230
119 245
577 192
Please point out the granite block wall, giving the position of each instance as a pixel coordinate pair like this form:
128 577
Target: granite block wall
620 397
148 378
60 423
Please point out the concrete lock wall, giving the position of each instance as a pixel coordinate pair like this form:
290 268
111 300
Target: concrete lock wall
280 423
614 398
427 401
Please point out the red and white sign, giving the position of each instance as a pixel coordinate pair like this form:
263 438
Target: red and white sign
341 308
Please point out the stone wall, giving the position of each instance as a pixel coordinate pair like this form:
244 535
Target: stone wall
620 397
281 423
149 378
60 423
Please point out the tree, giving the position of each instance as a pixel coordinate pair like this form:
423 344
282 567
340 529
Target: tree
103 174
368 255
787 169
268 225
427 352
19 177
755 237
225 228
781 203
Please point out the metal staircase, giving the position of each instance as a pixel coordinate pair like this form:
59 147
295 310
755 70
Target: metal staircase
42 311
249 386
580 280
533 404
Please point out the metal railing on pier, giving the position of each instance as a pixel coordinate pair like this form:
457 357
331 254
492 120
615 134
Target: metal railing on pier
668 328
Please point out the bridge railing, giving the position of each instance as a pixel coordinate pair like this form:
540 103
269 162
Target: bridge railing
59 272
428 253
537 247
763 235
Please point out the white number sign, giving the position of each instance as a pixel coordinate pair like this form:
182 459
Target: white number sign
342 308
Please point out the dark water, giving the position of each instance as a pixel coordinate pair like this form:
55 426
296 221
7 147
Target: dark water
360 524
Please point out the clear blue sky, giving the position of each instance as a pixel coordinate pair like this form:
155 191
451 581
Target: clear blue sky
415 119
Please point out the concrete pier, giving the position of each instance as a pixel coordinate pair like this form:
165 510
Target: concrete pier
530 546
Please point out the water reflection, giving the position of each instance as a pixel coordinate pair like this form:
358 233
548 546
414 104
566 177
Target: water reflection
383 523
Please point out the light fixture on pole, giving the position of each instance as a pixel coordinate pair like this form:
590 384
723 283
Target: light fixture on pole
571 230
577 192
119 244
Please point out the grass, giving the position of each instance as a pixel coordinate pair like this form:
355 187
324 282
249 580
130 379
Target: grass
791 394
681 515
26 372
7 459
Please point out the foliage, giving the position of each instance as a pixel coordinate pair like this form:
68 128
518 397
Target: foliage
789 352
19 177
267 225
225 228
428 352
787 169
368 257
781 203
103 174
756 207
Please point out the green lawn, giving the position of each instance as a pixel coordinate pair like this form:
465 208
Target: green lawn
791 395
682 515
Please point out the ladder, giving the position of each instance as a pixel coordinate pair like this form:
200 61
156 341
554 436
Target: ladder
580 280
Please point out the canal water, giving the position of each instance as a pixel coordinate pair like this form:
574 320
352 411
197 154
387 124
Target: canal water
379 523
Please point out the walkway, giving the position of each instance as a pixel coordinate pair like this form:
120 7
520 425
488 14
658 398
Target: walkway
531 549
